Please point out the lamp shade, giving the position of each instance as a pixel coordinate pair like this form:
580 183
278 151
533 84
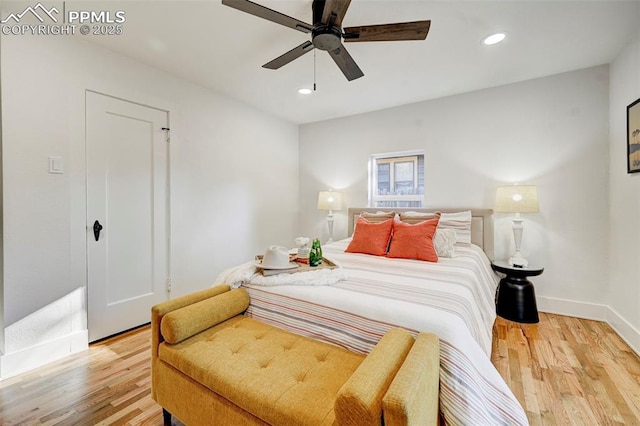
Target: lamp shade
329 200
517 199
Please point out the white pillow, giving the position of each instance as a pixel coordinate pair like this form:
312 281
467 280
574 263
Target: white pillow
419 214
378 216
460 222
417 217
444 242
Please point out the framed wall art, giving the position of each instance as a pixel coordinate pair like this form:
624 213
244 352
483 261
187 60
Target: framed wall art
633 137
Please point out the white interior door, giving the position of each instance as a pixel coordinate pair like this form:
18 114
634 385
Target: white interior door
127 193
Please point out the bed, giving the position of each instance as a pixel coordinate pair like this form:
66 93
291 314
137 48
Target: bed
453 298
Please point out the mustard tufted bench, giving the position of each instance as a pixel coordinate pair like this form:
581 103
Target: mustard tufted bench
212 365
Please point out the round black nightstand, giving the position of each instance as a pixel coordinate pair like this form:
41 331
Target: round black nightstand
516 299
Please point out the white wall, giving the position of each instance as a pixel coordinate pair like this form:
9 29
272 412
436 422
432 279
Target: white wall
624 200
552 132
1 233
234 182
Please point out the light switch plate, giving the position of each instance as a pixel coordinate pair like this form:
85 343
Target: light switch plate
56 165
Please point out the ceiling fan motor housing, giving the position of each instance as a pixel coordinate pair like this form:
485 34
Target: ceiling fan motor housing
326 38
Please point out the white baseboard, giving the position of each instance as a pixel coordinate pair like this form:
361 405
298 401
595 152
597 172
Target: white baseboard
592 311
572 308
626 331
27 359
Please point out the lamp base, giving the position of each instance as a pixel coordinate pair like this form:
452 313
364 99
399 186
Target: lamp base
517 260
330 224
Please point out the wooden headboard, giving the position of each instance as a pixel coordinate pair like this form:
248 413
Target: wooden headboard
481 222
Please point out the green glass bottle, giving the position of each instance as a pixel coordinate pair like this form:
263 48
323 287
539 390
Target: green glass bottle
314 256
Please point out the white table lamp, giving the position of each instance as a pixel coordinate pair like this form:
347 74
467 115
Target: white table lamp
330 200
517 199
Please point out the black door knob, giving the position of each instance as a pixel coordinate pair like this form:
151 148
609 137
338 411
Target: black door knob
96 229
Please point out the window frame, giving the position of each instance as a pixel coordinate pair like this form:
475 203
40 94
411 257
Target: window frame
392 158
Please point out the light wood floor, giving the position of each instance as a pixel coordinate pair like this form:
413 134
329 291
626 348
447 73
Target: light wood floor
569 371
563 371
109 384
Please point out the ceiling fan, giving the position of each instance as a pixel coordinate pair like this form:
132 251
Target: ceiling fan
327 32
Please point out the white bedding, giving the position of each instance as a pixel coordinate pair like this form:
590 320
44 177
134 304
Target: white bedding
453 298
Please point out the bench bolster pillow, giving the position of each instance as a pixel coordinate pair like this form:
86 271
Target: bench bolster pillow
359 401
190 320
412 397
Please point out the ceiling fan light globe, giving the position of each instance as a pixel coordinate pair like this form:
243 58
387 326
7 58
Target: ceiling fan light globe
326 38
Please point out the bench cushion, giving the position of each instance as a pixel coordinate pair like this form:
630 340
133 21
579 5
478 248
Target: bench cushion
277 376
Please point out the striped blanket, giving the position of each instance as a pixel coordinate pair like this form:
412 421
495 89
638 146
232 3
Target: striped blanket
453 298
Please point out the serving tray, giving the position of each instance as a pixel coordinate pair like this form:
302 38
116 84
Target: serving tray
303 267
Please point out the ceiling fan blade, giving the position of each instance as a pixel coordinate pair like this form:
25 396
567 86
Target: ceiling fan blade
268 14
337 8
345 62
388 32
294 53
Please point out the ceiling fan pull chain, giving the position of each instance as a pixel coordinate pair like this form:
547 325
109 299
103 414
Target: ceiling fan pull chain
314 70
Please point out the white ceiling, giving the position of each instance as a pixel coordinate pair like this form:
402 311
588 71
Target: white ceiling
224 49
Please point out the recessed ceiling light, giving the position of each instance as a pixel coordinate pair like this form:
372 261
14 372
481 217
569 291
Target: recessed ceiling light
493 38
304 91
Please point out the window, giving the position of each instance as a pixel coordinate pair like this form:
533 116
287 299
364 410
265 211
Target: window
396 180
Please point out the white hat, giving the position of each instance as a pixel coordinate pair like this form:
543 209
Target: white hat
276 257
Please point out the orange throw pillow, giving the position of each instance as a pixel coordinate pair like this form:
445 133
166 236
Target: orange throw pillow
414 241
371 238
